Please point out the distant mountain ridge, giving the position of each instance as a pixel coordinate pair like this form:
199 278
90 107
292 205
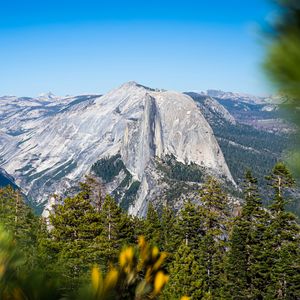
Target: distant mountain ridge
55 143
143 144
241 97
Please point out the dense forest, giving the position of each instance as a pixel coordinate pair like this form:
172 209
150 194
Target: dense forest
89 248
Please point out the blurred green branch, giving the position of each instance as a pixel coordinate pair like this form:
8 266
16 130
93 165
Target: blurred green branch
282 65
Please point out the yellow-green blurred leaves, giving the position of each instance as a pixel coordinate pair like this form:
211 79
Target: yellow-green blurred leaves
139 275
159 282
97 280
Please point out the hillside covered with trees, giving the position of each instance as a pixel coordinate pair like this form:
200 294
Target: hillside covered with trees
208 250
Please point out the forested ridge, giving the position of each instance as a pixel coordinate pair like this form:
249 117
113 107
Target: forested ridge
210 249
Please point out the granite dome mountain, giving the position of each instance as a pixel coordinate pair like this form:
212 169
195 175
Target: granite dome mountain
139 142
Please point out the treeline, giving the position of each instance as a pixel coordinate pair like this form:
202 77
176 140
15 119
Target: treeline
40 261
209 249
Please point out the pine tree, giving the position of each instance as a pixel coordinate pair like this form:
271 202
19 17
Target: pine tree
93 190
115 231
84 230
190 223
169 229
152 227
281 181
127 229
246 243
214 214
282 246
74 226
18 218
184 275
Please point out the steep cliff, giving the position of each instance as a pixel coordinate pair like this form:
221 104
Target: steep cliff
51 151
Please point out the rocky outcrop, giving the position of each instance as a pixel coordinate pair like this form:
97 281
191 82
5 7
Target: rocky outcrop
134 121
6 179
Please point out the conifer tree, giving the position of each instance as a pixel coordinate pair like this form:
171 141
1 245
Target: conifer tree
169 229
138 226
74 226
116 231
281 181
282 248
190 223
93 190
185 276
127 229
19 219
152 226
85 230
214 214
246 243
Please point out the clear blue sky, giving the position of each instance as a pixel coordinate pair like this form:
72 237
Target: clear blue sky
86 46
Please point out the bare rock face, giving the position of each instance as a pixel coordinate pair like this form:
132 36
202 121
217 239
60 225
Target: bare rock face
212 110
57 149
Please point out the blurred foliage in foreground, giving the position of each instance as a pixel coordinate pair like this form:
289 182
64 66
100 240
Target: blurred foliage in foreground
139 275
283 58
282 64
